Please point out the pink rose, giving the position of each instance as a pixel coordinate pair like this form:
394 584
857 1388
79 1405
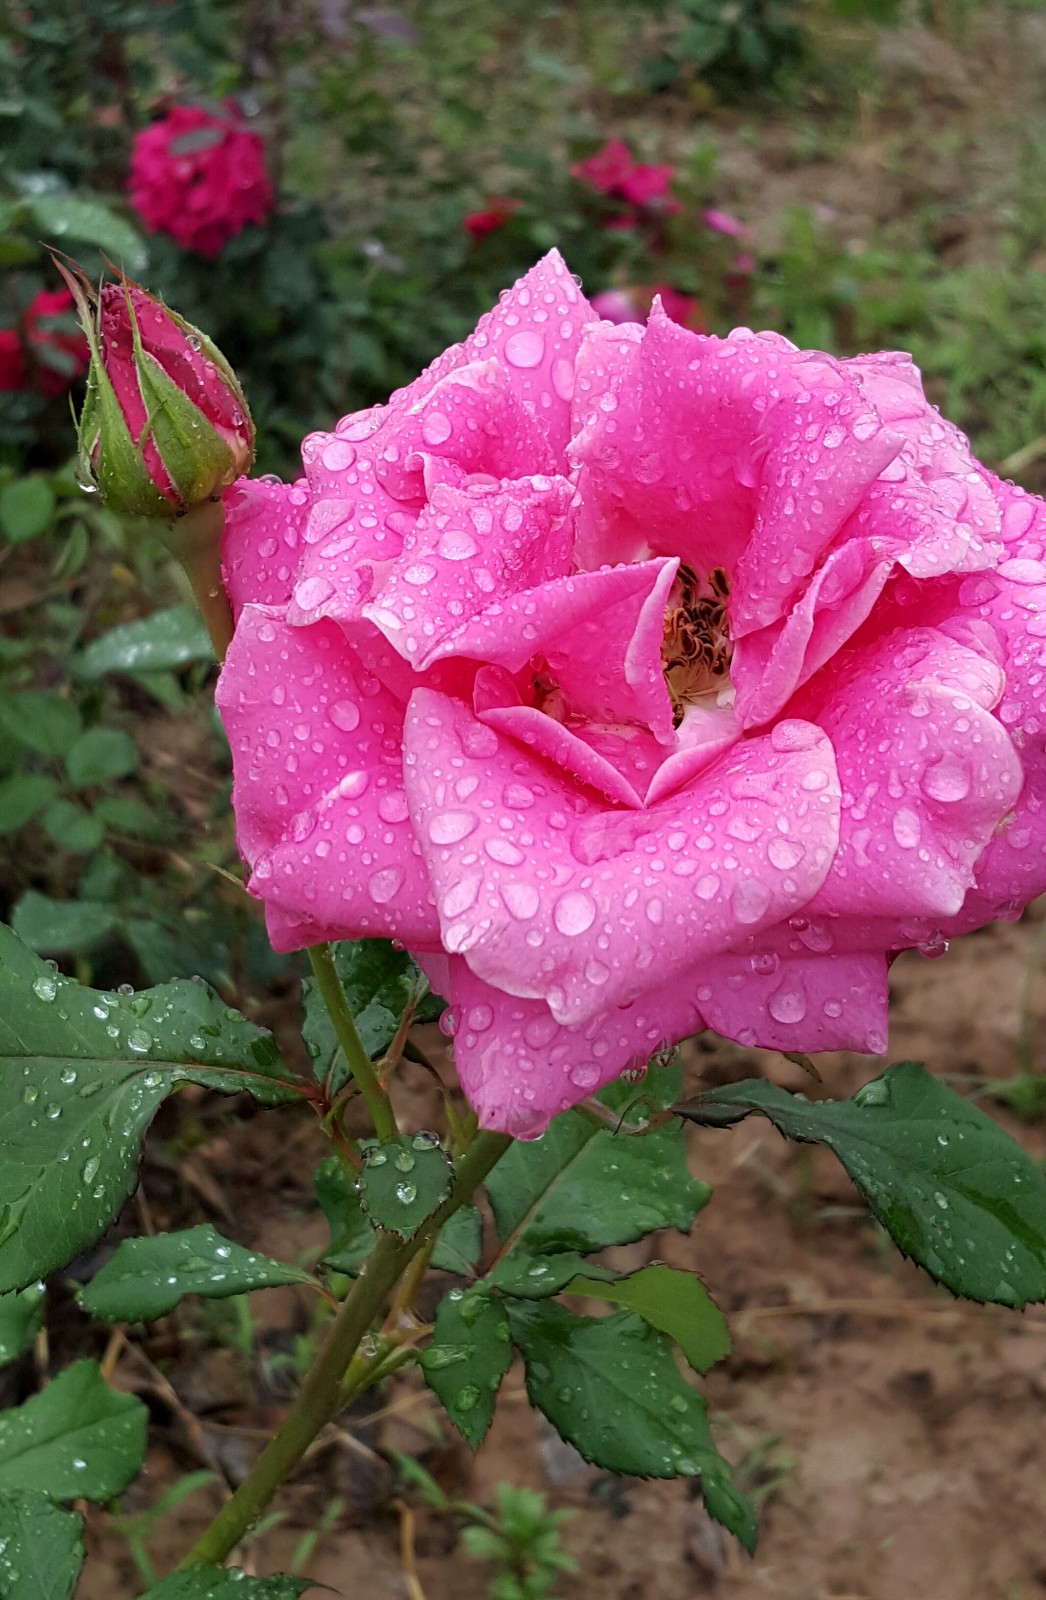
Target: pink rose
200 178
14 373
614 171
724 222
47 351
640 682
480 224
633 304
54 341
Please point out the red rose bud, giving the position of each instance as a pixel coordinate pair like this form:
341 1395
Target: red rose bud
165 425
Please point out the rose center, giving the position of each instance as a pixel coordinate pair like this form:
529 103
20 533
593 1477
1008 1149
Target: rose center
696 646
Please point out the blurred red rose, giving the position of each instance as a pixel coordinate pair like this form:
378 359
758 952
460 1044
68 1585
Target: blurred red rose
200 178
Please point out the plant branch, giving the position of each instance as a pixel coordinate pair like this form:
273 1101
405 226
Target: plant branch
360 1065
320 1396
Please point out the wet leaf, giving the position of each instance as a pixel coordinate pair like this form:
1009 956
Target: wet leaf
674 1302
21 1316
351 1235
76 1439
952 1189
581 1188
403 1181
41 1547
470 1353
162 642
610 1387
226 1583
81 1074
146 1278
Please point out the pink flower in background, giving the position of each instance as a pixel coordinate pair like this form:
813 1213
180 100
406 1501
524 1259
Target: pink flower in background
613 171
53 338
724 222
47 351
608 169
632 304
199 177
640 682
14 373
480 224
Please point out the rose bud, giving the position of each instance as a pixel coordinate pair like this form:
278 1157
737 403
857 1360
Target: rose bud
165 424
164 428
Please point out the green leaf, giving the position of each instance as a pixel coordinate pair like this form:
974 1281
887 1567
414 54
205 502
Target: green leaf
26 508
226 1583
351 1235
161 643
611 1387
21 797
47 924
379 983
952 1189
76 1439
674 1302
99 755
146 1278
459 1243
41 1547
581 1188
81 1074
125 815
21 1316
470 1353
68 216
71 827
403 1181
527 1277
40 720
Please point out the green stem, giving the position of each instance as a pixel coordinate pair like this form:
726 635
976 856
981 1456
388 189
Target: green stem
196 540
360 1065
319 1399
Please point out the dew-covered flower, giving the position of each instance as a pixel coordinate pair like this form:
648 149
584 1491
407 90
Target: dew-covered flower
199 176
640 682
165 425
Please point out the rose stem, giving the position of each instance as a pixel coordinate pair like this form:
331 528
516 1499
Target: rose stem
319 1398
360 1065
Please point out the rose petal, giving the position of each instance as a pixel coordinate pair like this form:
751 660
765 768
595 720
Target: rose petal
550 894
830 1001
322 819
927 773
519 1067
261 543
